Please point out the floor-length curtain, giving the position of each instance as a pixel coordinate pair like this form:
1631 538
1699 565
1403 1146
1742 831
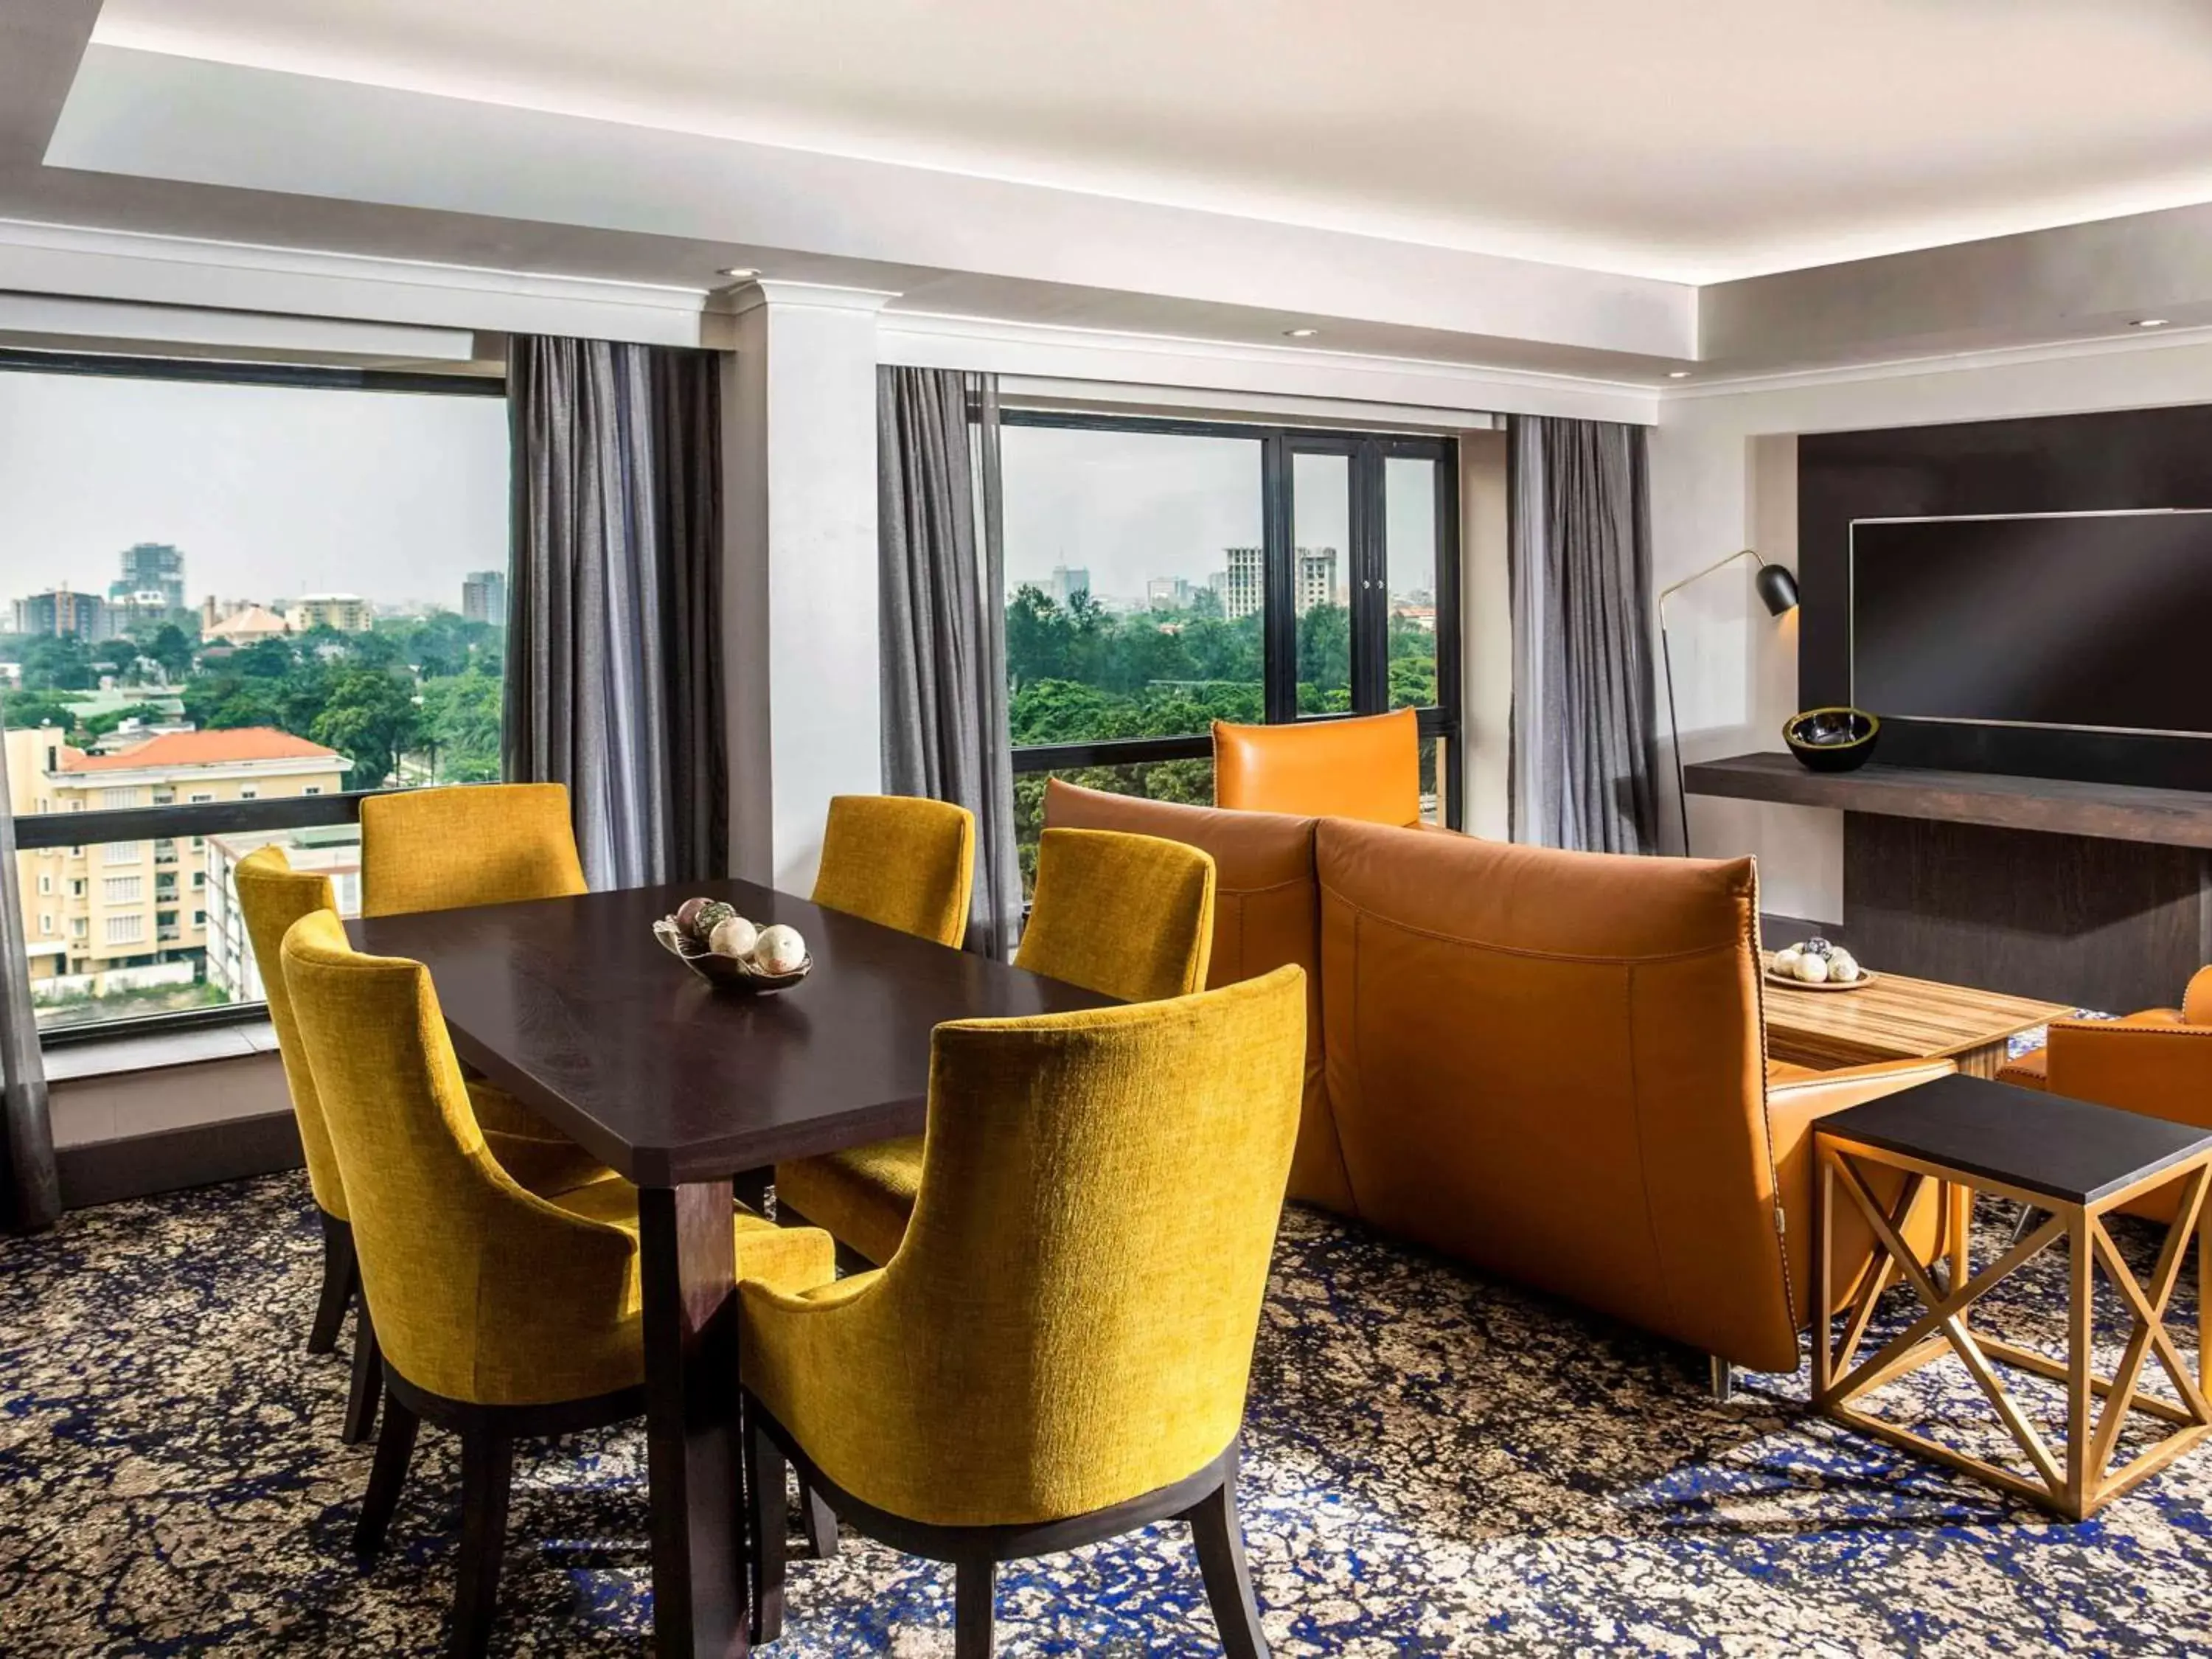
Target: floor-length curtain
944 619
614 682
1583 703
30 1194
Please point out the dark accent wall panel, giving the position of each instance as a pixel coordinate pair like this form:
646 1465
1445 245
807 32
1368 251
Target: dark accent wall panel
2142 458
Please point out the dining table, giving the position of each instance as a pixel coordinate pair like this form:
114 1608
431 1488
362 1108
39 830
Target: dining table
574 1007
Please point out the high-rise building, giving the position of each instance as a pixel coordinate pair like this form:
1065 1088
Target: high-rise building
1167 593
1068 580
483 597
348 613
1243 585
1316 583
60 612
151 567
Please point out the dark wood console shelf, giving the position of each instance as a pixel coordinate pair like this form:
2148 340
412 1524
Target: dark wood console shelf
2097 895
2109 812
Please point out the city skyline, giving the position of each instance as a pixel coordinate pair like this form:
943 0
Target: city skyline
269 492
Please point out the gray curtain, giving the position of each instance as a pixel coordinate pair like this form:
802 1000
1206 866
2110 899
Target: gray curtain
1583 709
614 681
30 1193
944 620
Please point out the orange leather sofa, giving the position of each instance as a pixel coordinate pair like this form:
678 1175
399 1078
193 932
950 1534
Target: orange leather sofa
2158 1062
1368 767
1550 1066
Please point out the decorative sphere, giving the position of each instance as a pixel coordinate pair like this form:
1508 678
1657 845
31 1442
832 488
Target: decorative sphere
1843 966
1812 970
734 936
1818 947
779 949
687 913
1786 958
710 915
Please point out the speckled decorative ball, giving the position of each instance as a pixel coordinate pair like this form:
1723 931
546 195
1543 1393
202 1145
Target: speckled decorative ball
1818 947
779 949
710 915
733 936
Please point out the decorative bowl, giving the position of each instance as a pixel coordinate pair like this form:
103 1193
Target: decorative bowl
1831 739
724 973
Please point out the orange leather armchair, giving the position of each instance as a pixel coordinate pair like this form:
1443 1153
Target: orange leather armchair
1367 767
2158 1062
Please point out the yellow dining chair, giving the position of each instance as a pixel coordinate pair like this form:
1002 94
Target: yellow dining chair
1126 916
481 843
1058 1351
501 1313
900 860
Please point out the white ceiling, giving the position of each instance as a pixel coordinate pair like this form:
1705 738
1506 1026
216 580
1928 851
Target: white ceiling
1693 141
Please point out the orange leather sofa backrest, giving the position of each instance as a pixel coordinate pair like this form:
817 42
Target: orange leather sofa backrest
1367 767
1266 915
1550 1064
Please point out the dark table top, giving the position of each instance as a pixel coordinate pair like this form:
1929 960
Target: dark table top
2065 1149
573 1007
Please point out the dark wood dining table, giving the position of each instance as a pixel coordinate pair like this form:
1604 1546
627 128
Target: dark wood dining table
574 1007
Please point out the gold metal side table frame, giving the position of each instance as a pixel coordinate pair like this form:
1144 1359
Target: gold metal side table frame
2074 1480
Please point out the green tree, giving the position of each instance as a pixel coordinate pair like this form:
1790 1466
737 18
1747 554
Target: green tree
29 709
171 647
462 715
58 662
372 719
94 726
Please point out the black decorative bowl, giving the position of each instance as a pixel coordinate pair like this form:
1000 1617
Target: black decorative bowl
1831 739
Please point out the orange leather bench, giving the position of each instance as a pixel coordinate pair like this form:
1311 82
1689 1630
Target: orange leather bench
1550 1066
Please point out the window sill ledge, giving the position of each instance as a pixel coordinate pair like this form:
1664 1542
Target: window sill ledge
122 1054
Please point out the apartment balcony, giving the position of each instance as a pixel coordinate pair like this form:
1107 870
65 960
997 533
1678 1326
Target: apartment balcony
164 852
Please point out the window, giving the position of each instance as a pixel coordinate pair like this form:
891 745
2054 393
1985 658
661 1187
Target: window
76 926
45 884
45 924
283 591
1164 575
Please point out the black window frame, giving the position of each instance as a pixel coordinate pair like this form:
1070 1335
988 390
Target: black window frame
47 831
1367 572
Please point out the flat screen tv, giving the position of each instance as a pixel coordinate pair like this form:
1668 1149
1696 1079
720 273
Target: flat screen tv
2097 622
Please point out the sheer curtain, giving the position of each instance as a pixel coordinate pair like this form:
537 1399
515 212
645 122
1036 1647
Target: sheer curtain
1582 699
943 569
614 682
30 1192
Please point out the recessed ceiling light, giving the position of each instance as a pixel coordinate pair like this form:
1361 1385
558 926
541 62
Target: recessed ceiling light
1678 373
741 273
1302 333
2150 322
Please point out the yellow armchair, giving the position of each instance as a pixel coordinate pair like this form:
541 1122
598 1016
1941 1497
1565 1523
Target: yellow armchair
901 860
1127 916
1059 1350
498 1313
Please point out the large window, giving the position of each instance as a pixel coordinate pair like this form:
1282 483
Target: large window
1161 575
231 600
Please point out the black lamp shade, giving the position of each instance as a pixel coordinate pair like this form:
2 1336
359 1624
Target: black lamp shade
1777 588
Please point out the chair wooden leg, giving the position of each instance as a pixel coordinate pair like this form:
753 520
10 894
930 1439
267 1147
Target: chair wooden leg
487 1465
764 1480
820 1522
368 1377
340 1275
1220 1539
974 1587
395 1447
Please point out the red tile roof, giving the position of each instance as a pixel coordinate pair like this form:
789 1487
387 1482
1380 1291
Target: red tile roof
245 743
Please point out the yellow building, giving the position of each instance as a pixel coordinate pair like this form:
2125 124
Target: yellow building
348 613
100 918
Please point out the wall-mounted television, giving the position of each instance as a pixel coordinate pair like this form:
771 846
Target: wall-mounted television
2093 621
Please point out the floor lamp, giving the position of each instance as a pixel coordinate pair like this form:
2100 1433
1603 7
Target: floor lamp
1777 590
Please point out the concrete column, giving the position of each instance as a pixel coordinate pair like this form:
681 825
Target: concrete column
800 589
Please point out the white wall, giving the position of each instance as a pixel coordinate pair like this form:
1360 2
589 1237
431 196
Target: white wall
1723 475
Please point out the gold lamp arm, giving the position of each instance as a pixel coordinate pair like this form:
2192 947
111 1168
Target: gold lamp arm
1696 576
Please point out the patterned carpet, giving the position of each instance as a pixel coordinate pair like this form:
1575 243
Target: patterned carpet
1434 1464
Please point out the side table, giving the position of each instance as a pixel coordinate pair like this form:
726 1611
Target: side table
2074 1160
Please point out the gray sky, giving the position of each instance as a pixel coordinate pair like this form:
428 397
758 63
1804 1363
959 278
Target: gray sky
1131 505
271 491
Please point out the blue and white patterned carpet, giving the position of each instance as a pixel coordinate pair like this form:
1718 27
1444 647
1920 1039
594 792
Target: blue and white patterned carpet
1434 1464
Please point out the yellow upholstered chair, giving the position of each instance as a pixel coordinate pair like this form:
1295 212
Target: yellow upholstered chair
901 860
501 1313
481 843
1367 768
1126 916
1058 1351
